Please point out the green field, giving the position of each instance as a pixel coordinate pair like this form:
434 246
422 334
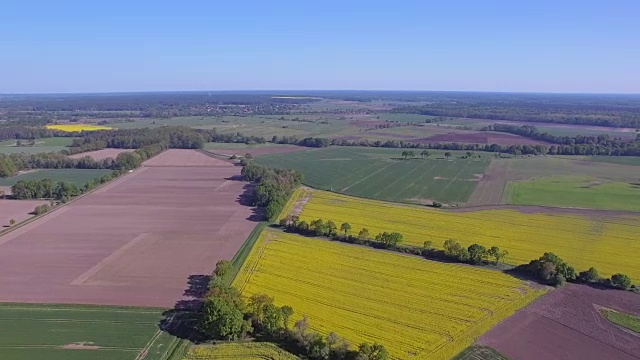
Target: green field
573 191
42 145
74 332
241 146
76 176
627 321
382 174
620 160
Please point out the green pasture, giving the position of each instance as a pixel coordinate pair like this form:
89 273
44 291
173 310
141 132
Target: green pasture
76 176
620 160
383 174
574 191
75 332
41 145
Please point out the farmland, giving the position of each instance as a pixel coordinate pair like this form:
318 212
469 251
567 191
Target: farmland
77 127
40 145
135 241
568 321
239 351
101 154
572 191
81 332
17 210
607 242
410 305
76 176
383 174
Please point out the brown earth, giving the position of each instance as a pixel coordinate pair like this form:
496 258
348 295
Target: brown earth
101 154
566 324
136 241
19 210
491 185
259 150
482 137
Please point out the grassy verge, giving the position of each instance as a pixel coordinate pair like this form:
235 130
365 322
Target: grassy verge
627 321
240 257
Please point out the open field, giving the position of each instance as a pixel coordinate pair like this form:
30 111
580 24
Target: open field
584 239
481 137
410 305
174 217
239 351
77 332
77 127
41 145
17 210
574 191
76 176
567 323
382 173
621 160
492 188
241 149
477 352
627 321
101 154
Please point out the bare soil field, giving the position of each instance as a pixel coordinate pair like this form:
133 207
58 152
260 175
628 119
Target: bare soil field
101 154
483 137
136 241
566 324
19 210
491 186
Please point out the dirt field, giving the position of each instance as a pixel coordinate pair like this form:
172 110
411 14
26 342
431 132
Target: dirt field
566 324
491 186
259 150
483 137
101 154
16 209
135 241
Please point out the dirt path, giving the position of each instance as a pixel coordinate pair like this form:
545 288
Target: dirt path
491 187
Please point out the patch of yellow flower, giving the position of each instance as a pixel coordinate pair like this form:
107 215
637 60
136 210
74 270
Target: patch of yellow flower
77 127
416 308
611 244
239 351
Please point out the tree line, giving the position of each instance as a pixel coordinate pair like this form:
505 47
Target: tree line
272 187
226 315
532 132
548 269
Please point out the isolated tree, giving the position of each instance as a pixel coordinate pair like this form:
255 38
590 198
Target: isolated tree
287 313
425 154
497 254
477 253
621 281
330 228
345 228
11 222
364 234
405 154
447 155
589 276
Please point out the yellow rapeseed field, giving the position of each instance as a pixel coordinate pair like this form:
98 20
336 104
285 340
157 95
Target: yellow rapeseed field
239 351
611 244
418 309
77 127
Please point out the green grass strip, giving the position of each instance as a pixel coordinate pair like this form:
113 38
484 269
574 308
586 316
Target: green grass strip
627 321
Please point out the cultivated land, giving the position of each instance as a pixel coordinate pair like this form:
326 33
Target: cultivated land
41 145
17 210
101 154
77 127
567 323
134 241
77 332
240 149
383 174
572 191
239 351
76 176
607 241
416 308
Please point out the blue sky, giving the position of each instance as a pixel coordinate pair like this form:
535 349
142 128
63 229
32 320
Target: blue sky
139 45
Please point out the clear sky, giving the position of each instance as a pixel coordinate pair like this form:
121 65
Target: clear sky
139 45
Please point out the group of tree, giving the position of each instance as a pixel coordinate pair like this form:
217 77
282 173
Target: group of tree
272 187
532 132
474 254
44 189
553 270
226 315
615 147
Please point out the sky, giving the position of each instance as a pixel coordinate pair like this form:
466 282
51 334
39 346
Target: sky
139 45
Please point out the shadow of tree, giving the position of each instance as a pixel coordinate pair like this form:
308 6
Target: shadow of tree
182 320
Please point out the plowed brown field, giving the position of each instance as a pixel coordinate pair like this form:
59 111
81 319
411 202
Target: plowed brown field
135 241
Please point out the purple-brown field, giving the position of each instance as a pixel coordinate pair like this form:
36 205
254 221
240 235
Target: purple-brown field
17 210
567 324
135 241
